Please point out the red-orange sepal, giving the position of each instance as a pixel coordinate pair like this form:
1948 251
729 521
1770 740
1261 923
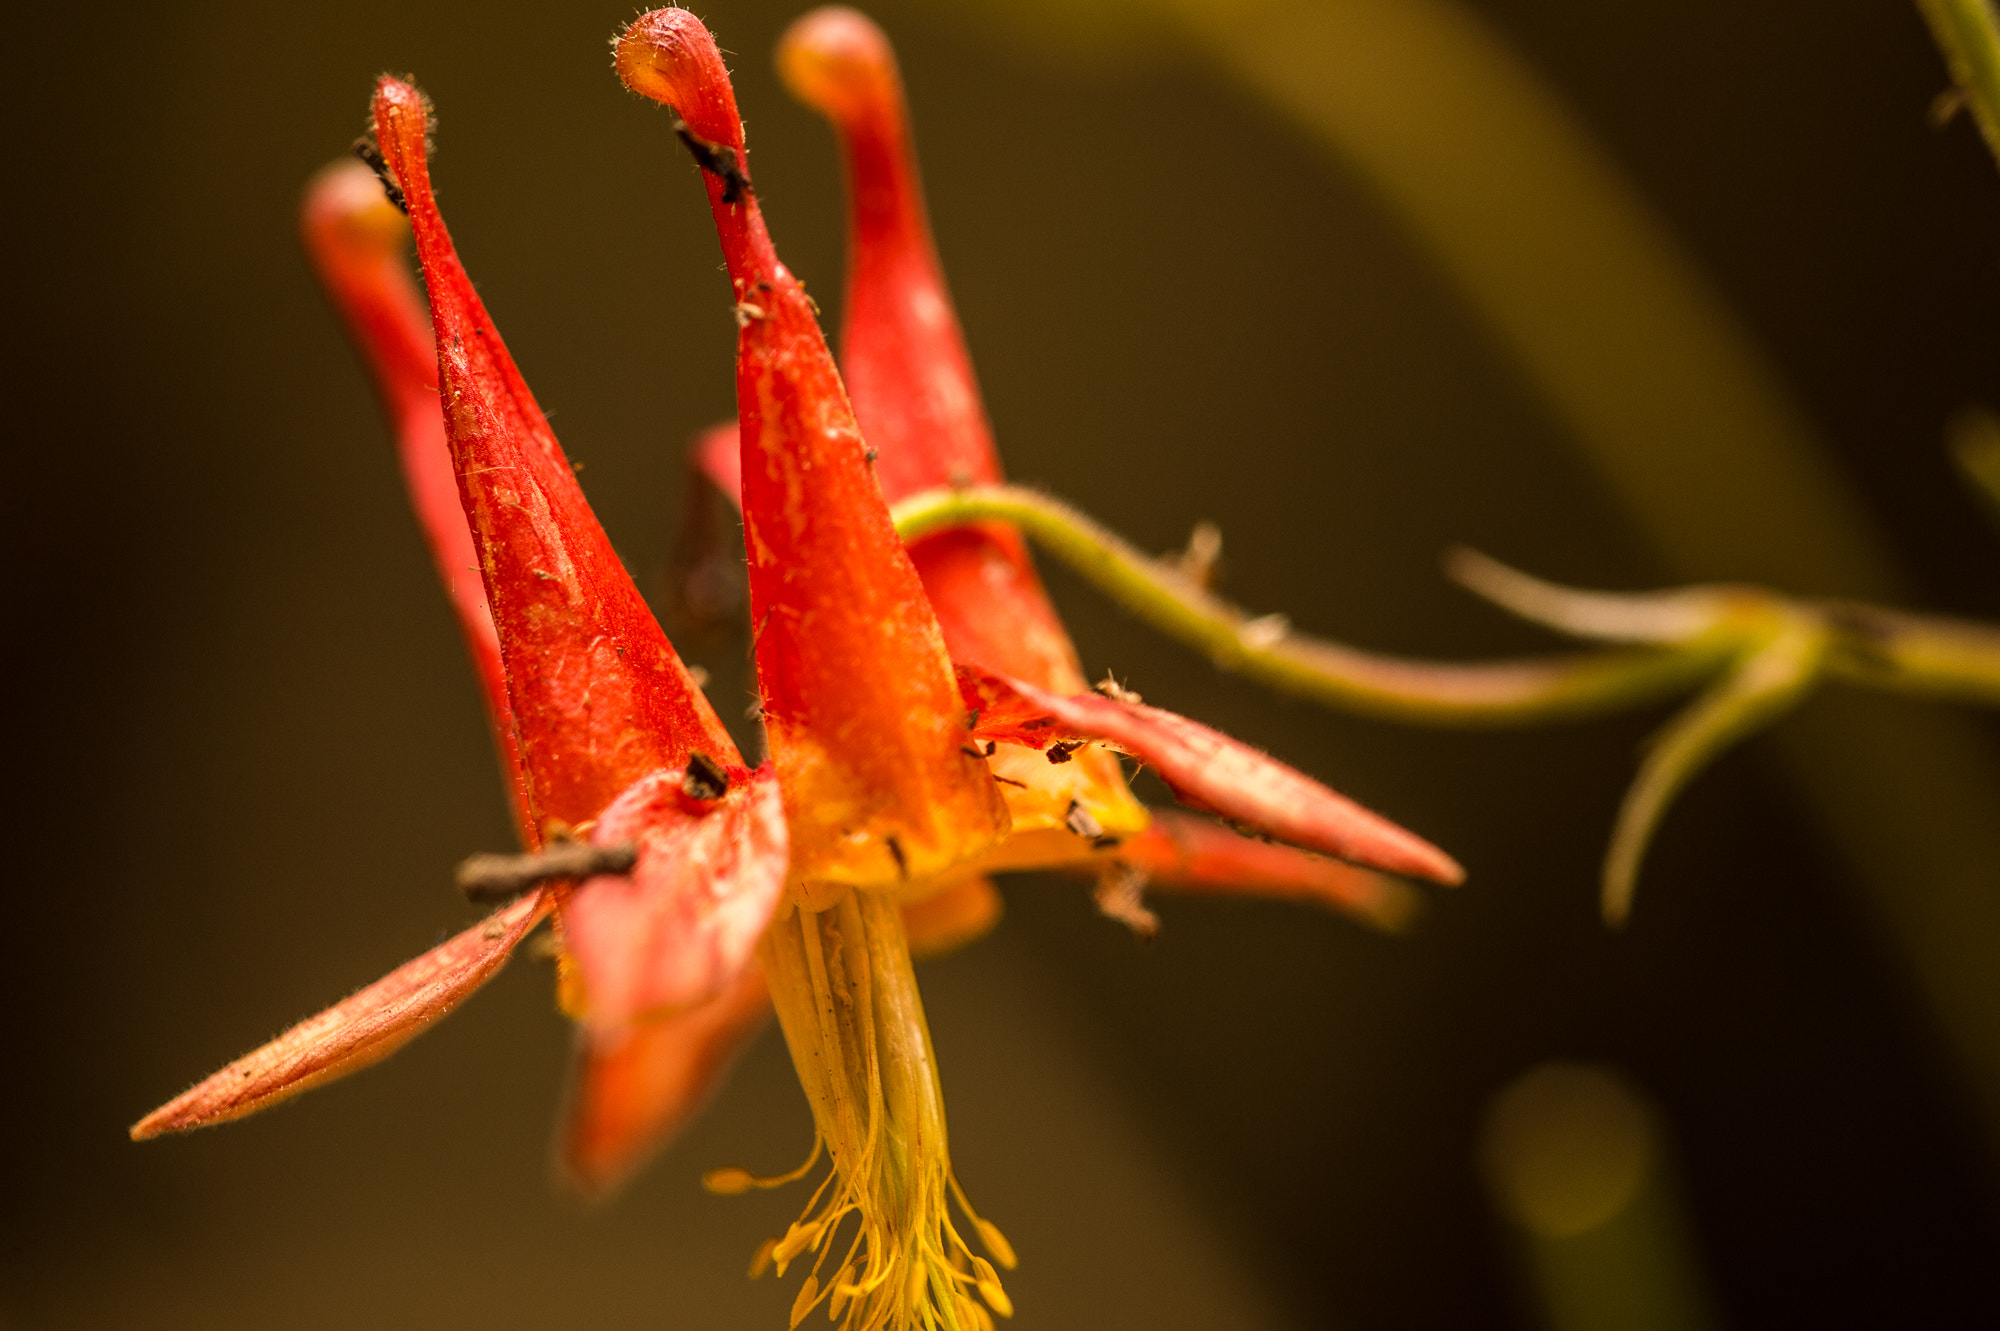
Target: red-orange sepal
357 239
905 361
683 923
859 704
900 345
350 1035
632 1091
1207 770
600 698
1189 854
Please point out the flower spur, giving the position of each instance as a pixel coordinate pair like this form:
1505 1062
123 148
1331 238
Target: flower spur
875 794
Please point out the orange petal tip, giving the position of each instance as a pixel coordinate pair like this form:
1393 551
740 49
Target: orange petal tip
837 61
346 199
670 56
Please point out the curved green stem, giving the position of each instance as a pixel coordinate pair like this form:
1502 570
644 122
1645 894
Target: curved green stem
1955 660
1265 648
1766 682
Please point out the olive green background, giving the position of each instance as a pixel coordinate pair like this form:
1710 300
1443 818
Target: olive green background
245 749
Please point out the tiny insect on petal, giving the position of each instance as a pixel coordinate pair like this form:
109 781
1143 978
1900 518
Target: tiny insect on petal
683 923
1208 770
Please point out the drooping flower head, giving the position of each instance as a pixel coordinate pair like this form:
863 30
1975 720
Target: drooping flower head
899 689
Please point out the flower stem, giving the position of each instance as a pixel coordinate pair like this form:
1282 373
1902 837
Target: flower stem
1767 682
1265 648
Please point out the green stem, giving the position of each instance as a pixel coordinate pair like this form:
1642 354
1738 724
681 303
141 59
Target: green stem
1952 659
1769 680
1265 648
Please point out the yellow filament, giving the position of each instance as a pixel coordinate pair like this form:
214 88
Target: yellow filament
846 997
729 1180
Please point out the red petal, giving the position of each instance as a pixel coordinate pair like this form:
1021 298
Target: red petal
681 926
356 240
1209 770
904 357
900 343
1191 854
858 698
599 697
356 1032
632 1092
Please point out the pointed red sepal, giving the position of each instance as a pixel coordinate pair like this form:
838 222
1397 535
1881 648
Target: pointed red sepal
858 698
599 696
1184 853
1207 770
900 344
905 361
358 1031
357 241
681 926
632 1092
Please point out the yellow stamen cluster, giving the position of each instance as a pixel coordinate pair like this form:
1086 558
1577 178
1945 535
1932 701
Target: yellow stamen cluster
846 996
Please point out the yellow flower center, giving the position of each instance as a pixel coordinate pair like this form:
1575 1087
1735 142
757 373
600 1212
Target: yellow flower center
846 996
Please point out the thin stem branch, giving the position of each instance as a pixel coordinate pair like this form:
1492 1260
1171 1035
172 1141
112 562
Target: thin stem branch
1768 681
1266 648
1953 659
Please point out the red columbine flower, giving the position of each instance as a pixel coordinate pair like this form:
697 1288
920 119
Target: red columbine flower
665 863
914 392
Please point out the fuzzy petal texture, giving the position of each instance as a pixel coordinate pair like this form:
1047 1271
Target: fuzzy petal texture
1189 854
680 927
1207 770
358 1031
600 698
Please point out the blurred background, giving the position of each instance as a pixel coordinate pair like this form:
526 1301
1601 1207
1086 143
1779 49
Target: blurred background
248 750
